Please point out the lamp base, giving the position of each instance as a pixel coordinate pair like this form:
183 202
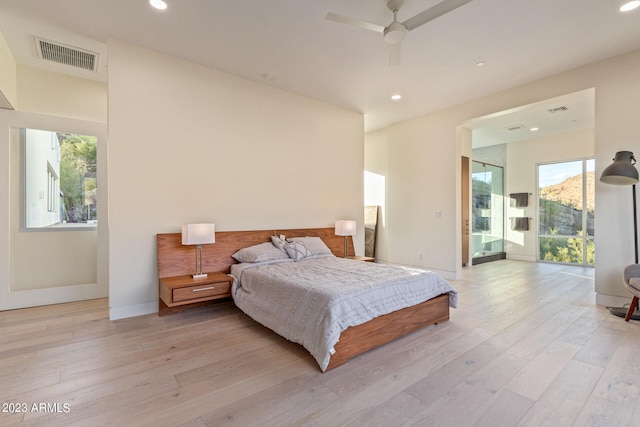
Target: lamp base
622 312
199 276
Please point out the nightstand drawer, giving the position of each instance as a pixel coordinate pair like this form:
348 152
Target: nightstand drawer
204 290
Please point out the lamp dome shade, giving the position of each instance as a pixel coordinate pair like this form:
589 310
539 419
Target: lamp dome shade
622 171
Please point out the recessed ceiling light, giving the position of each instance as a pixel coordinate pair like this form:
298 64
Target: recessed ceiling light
480 64
534 129
158 4
396 97
630 5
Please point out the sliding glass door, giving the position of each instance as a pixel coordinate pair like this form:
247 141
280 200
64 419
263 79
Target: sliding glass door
487 210
566 203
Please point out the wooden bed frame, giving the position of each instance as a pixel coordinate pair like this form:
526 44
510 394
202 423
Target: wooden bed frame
174 259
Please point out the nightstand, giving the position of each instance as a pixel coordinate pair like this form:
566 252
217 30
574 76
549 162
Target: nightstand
362 258
183 290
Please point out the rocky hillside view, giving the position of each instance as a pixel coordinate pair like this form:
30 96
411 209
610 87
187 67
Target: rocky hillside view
561 206
569 191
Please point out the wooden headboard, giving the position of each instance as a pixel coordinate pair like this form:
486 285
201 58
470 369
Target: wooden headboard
174 259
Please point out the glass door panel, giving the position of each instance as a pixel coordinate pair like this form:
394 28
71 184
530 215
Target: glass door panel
487 209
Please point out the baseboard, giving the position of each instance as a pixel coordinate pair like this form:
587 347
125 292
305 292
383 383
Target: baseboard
133 310
612 300
526 258
488 258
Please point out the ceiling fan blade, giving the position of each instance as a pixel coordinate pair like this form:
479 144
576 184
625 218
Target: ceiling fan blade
356 22
433 12
394 54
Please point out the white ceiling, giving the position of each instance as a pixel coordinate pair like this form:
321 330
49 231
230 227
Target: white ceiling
290 45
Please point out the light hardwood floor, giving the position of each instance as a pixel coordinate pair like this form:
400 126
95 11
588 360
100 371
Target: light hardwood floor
527 346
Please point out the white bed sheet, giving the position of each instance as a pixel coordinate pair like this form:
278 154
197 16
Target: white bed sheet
312 301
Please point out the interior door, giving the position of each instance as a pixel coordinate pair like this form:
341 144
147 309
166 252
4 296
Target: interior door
465 211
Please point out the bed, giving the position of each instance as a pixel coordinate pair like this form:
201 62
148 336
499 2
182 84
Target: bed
386 302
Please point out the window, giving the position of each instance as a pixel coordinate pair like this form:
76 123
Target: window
566 203
60 185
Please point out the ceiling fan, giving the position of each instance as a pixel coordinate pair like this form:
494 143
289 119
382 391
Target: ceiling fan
395 32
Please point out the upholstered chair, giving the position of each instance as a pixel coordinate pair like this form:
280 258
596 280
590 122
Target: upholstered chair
632 283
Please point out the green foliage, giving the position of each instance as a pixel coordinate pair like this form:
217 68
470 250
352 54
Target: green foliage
566 249
78 166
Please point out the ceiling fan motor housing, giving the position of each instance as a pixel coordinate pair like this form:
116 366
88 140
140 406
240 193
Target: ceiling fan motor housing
395 33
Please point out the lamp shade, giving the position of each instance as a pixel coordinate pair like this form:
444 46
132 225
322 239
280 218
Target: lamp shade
622 171
345 227
198 234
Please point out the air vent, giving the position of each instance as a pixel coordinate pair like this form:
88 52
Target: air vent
516 127
67 55
557 110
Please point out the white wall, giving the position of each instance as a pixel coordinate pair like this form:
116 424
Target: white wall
60 95
376 188
424 174
42 151
188 143
8 82
521 177
423 167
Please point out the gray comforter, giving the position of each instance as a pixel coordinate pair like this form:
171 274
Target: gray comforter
312 301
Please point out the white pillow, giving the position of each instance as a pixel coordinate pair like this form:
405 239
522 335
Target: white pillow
259 253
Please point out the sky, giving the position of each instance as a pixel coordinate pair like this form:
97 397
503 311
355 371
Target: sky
553 173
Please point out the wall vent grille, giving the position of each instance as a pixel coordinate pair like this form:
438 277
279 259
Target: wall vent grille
67 55
557 110
515 127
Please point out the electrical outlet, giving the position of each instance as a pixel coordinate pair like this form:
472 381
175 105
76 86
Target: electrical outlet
437 214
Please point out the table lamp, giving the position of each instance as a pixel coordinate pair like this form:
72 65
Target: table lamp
345 228
198 234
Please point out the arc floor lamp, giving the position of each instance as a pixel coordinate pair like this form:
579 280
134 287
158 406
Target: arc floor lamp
623 172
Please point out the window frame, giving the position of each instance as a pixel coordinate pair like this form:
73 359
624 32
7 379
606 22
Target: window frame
23 185
586 239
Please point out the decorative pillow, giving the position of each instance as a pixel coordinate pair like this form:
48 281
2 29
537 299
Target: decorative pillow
297 251
278 242
259 253
314 244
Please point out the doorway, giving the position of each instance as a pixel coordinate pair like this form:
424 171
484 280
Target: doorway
487 211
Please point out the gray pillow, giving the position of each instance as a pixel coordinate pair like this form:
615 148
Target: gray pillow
297 251
278 242
259 253
315 245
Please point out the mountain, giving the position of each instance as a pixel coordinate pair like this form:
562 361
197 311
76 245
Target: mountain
569 191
